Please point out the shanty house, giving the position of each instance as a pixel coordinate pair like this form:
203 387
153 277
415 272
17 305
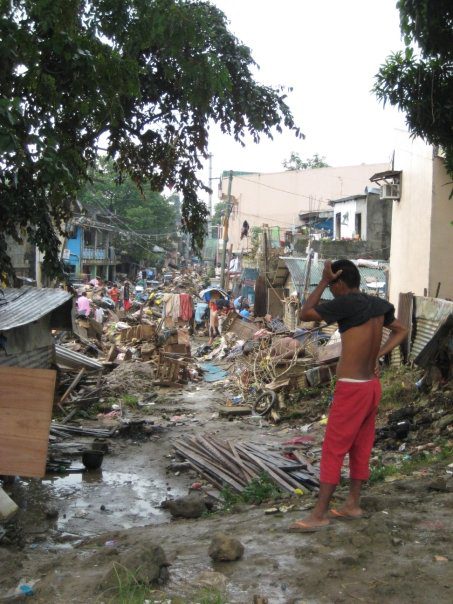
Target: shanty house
27 316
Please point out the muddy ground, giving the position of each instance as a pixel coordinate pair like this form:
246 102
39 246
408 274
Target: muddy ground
72 526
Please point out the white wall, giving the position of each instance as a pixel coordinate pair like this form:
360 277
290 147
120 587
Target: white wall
348 211
276 199
412 219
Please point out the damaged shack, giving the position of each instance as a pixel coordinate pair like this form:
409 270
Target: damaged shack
27 317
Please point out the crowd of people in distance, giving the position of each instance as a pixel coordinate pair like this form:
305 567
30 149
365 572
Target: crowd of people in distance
111 294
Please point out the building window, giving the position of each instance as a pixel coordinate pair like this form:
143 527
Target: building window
358 226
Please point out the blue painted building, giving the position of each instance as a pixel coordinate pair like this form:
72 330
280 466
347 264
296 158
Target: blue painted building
88 250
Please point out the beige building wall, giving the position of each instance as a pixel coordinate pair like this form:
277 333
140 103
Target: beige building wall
422 236
276 199
441 263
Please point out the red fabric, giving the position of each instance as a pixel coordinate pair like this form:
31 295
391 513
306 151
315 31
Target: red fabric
126 305
185 307
350 429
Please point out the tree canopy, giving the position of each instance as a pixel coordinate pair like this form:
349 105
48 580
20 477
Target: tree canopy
420 80
142 79
142 218
295 162
219 211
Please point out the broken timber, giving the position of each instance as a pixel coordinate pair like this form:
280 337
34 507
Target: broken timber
236 465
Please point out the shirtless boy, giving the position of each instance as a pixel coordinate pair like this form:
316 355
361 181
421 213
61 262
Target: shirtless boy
351 424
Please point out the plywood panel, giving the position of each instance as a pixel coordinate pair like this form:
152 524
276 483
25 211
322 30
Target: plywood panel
26 399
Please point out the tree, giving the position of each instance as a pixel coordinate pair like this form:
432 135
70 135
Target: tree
142 218
296 163
142 78
420 80
219 212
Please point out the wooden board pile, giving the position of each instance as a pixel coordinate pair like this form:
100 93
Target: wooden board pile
236 465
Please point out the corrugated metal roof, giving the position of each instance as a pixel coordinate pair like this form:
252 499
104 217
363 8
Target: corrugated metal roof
71 358
430 313
39 358
297 268
22 306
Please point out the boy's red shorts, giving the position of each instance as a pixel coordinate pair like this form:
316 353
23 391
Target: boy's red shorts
350 429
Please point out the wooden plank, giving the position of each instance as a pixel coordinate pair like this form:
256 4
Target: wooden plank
202 463
74 383
220 454
248 475
218 462
287 482
26 400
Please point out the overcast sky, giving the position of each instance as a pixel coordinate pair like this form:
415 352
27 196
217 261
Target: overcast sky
329 52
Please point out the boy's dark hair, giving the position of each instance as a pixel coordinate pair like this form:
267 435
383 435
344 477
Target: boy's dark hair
350 273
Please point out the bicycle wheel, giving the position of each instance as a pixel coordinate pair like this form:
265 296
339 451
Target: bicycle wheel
264 402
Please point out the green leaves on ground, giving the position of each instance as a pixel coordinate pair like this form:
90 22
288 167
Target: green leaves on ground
258 490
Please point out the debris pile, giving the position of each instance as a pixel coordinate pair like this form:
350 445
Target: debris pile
236 465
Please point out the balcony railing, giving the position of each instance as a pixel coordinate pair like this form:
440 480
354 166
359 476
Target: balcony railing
98 254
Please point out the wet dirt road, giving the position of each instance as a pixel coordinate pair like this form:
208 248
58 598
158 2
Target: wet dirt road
402 553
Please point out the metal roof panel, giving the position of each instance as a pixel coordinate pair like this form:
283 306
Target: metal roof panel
22 306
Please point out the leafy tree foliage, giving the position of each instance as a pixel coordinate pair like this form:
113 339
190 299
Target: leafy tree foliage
142 218
143 78
219 211
420 80
295 162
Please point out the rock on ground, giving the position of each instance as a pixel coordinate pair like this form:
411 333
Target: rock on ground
145 563
224 548
191 506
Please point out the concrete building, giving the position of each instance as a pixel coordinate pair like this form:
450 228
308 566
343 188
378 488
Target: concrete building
366 218
89 251
422 223
278 199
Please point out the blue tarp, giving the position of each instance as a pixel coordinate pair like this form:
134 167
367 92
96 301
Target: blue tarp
213 373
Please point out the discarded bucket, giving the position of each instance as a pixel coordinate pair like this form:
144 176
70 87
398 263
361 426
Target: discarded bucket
92 459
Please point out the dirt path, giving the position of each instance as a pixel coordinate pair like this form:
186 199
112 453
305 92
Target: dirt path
402 553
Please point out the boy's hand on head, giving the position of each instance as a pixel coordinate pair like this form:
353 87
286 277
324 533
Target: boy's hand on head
327 274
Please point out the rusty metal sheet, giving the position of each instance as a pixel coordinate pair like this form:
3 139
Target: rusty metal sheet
430 313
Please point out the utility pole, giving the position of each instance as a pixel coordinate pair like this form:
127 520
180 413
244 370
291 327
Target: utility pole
226 220
210 180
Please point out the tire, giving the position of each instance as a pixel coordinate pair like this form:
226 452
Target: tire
264 402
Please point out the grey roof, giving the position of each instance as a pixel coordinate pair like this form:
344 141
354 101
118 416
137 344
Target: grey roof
297 268
22 306
71 358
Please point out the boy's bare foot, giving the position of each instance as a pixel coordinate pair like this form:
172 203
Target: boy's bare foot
310 524
346 513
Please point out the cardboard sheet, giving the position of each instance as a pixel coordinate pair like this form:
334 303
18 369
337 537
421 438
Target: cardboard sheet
26 400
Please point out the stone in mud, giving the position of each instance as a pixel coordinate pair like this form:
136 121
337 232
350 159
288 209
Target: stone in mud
145 564
438 485
210 578
190 506
225 549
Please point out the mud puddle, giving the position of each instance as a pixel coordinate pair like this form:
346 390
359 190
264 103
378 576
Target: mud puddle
126 492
